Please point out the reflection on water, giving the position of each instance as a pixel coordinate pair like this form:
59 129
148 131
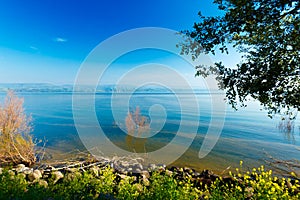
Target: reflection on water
248 134
287 126
137 127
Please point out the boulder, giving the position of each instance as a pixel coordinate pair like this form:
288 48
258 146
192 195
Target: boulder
57 175
152 167
35 175
20 168
169 173
145 174
27 171
43 183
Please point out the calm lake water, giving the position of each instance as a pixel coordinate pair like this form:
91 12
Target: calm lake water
248 134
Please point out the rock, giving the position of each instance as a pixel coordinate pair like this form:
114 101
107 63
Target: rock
122 176
57 175
20 168
112 165
169 173
1 170
71 170
138 166
145 174
145 181
11 173
43 183
137 170
35 175
124 165
72 176
152 167
138 187
27 171
161 166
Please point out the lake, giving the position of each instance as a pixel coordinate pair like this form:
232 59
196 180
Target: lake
248 134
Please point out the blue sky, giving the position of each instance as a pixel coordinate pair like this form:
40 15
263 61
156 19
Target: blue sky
46 41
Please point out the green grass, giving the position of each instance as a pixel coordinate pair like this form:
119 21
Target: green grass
257 184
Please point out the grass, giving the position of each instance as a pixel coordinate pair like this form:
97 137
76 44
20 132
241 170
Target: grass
106 184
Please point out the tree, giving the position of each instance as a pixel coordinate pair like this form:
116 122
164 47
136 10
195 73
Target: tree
267 34
16 144
136 126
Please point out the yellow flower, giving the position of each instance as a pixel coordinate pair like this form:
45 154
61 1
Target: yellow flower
259 194
277 187
273 189
239 188
270 172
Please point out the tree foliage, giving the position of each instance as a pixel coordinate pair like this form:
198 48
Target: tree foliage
266 32
16 144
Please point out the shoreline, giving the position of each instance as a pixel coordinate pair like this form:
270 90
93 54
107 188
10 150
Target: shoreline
106 180
280 168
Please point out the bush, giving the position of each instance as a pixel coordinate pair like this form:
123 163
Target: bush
16 144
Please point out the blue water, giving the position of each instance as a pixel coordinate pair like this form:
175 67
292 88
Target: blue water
248 134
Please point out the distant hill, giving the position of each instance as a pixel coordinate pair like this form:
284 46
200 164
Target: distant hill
68 88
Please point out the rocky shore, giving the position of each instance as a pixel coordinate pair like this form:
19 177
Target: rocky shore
155 180
122 169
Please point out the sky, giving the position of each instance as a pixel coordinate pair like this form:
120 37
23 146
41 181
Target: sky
47 41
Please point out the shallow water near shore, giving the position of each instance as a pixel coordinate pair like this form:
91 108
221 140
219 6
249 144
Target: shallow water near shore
248 134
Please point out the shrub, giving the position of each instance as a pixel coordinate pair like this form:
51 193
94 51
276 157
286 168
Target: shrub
136 126
108 184
16 144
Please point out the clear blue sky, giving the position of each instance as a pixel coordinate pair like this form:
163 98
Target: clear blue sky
46 41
